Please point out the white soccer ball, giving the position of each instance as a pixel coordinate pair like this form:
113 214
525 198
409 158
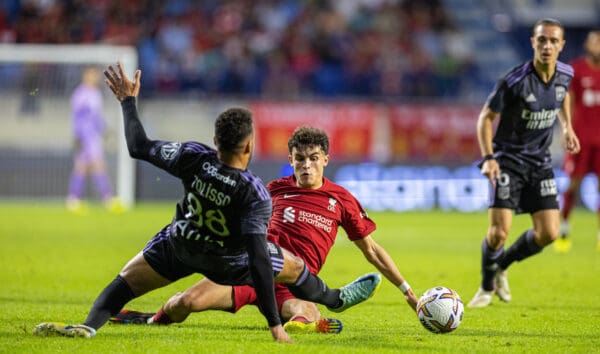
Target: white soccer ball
440 310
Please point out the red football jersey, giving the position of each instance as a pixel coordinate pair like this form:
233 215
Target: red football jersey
306 221
585 90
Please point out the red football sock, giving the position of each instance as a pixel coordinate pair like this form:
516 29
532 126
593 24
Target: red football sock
161 317
568 203
300 319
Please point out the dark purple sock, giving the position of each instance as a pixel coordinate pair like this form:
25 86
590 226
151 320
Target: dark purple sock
489 264
103 185
76 184
522 248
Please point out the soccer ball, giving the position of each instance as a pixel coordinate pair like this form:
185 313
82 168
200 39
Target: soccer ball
440 310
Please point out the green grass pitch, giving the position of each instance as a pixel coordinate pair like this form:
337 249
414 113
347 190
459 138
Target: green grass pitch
54 264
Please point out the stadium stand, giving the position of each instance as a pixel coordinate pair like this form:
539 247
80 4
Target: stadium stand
258 48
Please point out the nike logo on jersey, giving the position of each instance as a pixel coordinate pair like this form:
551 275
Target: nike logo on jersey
530 98
285 196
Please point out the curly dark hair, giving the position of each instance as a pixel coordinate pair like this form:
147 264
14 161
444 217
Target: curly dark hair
309 136
232 127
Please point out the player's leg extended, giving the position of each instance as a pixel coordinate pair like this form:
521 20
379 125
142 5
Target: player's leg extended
575 167
136 278
202 296
500 222
533 241
492 250
77 184
563 244
569 199
305 285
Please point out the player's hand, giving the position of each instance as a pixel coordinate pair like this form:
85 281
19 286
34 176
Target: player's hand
491 170
571 142
411 299
119 83
280 335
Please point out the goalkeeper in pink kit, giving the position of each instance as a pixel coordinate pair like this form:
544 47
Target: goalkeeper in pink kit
88 129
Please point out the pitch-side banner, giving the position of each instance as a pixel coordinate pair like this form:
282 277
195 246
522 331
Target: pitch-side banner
434 133
349 126
366 132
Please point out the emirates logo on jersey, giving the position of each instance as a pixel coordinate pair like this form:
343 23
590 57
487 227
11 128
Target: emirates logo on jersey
289 215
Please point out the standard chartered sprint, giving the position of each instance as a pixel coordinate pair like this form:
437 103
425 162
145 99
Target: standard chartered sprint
316 220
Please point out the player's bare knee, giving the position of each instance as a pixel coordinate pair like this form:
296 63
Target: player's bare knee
295 265
298 265
547 236
311 310
185 301
497 236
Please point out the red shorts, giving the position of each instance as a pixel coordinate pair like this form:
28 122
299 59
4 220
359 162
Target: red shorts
245 295
584 162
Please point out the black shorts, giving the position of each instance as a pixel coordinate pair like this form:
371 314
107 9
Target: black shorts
174 263
524 188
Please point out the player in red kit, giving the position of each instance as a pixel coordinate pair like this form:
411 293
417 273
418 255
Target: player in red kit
585 97
307 211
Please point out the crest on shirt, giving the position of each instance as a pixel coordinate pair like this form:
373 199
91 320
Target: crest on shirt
560 93
168 151
289 215
332 204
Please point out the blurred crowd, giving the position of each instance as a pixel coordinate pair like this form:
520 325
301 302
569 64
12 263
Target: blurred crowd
264 48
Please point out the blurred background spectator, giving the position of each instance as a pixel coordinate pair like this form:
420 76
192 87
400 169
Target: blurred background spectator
272 48
392 81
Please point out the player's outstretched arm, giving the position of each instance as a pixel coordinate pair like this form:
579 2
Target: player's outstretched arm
126 91
119 83
378 256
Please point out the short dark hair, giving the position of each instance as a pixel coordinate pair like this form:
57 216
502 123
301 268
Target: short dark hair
548 22
232 127
309 136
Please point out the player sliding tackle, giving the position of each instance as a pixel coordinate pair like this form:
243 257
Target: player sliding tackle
307 210
223 239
